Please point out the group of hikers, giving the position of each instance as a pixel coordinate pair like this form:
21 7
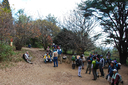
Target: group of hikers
95 63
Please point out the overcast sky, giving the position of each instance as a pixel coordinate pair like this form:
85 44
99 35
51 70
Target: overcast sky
41 8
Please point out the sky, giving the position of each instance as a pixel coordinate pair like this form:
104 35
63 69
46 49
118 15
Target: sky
41 8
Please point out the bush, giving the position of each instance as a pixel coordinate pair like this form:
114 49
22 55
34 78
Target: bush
5 52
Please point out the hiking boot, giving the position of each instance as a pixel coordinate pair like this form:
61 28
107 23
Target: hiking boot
85 72
94 79
80 76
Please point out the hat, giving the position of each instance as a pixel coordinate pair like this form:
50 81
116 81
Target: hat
115 70
119 64
101 55
112 62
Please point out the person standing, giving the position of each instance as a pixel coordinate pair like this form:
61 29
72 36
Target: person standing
55 58
83 60
80 66
101 65
94 69
108 55
89 62
59 54
73 62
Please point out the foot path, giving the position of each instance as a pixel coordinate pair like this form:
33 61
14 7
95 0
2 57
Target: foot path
40 73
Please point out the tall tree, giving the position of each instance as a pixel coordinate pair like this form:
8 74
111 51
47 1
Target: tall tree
5 24
51 18
6 4
83 28
114 19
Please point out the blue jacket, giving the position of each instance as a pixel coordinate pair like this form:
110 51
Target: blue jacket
59 51
110 70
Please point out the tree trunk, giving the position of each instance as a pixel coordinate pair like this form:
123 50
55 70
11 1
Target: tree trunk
18 47
123 58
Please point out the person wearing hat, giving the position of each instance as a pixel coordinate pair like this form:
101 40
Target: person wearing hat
118 66
80 66
59 54
115 78
101 65
89 62
110 71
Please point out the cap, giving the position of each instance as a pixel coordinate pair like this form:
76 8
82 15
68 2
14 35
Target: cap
115 70
101 55
119 64
112 62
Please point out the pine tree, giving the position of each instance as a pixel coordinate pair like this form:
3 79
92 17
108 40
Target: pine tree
6 4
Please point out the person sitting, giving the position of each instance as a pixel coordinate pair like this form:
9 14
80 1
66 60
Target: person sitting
47 57
27 57
115 78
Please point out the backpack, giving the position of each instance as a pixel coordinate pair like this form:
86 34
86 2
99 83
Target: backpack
24 57
73 58
78 62
120 78
97 65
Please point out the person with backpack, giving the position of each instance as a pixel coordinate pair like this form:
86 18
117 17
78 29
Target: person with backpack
101 66
95 65
115 78
89 62
73 62
27 57
79 65
59 54
110 71
118 66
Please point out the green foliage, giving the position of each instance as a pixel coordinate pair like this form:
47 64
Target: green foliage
113 15
66 39
6 4
5 52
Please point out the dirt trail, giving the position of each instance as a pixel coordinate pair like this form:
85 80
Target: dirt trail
39 73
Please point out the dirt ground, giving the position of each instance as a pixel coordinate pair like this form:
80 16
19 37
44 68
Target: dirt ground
40 73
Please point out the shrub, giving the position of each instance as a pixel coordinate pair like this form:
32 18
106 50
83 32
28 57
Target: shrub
5 52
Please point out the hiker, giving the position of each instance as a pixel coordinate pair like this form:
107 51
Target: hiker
83 60
115 78
108 55
29 45
27 57
101 65
118 66
59 54
93 55
47 57
55 58
94 68
80 65
110 71
73 62
89 62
